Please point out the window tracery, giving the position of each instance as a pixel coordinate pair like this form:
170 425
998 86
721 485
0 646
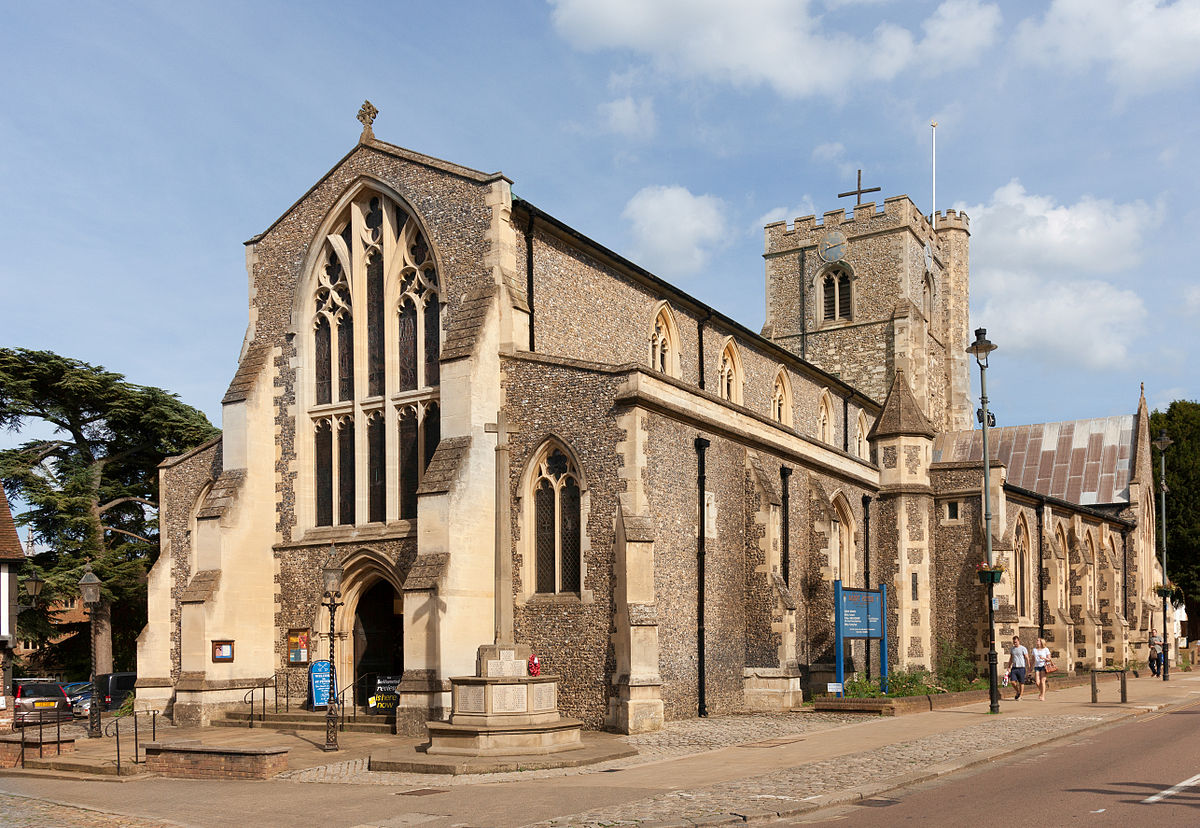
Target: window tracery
862 448
664 343
729 374
781 399
381 375
837 296
557 523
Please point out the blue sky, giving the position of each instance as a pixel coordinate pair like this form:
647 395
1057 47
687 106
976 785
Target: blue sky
142 143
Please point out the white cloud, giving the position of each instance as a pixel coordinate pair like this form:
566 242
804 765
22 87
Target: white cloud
1036 263
1191 299
804 208
1081 322
1146 45
628 116
957 32
834 154
774 42
674 232
1020 230
1161 400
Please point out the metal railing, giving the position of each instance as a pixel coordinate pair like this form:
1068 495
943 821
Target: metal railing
113 728
341 699
261 688
41 722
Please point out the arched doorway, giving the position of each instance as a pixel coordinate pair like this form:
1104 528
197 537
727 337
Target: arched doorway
378 637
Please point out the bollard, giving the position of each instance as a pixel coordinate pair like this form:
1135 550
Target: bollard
1124 696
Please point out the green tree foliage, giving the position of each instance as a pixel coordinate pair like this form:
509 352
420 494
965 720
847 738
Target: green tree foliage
1182 423
90 490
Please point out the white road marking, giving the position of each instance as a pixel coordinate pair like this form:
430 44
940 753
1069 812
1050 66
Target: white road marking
1174 789
1102 810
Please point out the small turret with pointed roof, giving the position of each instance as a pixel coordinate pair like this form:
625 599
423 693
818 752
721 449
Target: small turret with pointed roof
901 415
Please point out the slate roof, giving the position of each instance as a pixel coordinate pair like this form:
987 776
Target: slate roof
1080 461
901 413
10 543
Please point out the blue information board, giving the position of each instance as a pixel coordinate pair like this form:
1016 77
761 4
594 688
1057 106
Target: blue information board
859 613
862 613
320 679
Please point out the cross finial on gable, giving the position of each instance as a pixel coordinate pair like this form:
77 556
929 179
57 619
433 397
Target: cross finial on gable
366 115
859 191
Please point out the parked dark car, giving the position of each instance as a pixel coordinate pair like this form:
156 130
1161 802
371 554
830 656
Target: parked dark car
74 689
40 701
113 688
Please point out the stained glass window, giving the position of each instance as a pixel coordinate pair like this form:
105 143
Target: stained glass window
375 326
408 463
345 358
376 469
376 259
324 457
346 471
407 354
544 520
323 357
433 345
433 433
557 535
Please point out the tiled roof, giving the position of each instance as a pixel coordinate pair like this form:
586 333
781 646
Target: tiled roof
1082 461
10 544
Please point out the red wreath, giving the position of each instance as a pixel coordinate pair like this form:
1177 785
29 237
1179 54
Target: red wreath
535 666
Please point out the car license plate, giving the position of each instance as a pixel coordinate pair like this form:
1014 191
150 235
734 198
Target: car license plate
43 704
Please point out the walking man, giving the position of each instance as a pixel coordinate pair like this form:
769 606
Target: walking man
1156 643
1018 658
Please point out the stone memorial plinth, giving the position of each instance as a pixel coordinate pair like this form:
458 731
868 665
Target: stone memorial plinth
503 711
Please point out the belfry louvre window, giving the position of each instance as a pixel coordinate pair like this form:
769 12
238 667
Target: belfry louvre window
557 523
836 296
373 407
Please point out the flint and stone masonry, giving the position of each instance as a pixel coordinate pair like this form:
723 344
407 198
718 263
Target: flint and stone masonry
405 302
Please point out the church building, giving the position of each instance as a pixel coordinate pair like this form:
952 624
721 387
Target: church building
435 370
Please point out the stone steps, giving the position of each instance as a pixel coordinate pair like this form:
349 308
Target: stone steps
304 721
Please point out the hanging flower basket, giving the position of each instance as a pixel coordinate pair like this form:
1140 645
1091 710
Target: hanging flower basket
990 576
1164 591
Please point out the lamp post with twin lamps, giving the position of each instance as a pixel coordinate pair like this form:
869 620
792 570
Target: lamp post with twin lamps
331 579
89 590
1161 443
980 349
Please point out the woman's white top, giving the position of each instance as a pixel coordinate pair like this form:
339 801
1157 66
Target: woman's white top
1040 656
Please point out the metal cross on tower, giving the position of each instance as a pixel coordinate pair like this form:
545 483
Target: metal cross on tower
859 191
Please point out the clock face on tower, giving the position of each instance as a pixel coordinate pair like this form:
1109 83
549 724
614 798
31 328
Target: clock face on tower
832 247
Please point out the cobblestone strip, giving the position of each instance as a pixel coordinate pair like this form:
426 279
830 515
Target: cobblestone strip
24 812
779 790
682 738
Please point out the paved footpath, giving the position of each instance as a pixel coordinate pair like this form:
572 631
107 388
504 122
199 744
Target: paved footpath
725 770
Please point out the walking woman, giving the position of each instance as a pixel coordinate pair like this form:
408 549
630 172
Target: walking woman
1041 659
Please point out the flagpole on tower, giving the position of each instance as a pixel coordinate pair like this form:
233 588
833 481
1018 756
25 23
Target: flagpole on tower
933 209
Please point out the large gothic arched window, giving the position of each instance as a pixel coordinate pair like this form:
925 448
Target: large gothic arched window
373 405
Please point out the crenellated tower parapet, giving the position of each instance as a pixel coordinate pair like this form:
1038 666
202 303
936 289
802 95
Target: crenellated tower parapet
866 291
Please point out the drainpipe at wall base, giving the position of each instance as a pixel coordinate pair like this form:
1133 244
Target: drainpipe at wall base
701 446
785 546
529 277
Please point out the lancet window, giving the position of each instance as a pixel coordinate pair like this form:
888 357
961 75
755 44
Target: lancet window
861 447
729 374
1021 573
557 523
837 299
825 419
373 405
781 399
664 343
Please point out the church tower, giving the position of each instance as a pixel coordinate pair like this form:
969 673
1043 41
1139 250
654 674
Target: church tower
875 292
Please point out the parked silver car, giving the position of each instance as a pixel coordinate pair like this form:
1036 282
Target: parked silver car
40 701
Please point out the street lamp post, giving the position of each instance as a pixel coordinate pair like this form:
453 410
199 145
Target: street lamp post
89 590
1162 442
980 349
331 577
